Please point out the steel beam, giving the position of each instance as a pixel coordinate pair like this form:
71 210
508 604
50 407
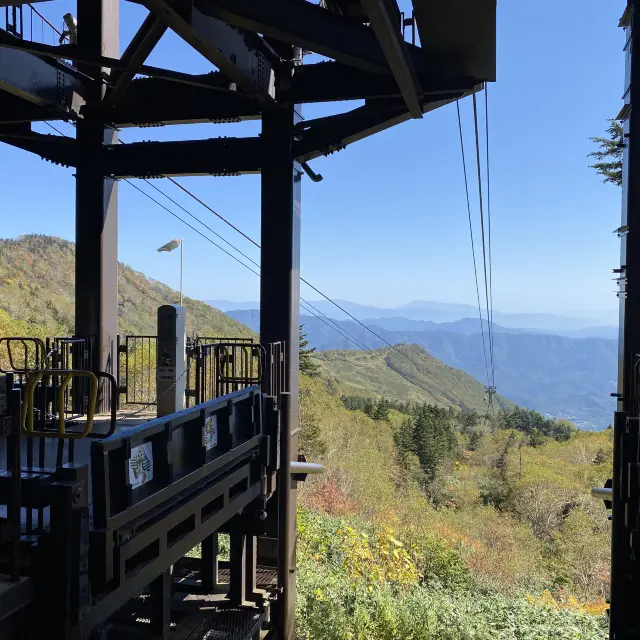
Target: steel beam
387 29
305 25
96 286
15 110
223 45
93 63
149 101
57 149
49 85
138 50
333 133
217 156
334 81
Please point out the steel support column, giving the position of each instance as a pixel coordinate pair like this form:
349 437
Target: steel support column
96 199
625 569
279 321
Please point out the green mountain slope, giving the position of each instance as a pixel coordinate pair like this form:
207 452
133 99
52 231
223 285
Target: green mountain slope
418 377
37 286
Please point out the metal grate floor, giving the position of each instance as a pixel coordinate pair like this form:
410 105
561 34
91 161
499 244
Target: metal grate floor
265 577
229 624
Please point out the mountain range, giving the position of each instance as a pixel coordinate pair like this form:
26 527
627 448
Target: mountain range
36 298
555 374
441 312
560 376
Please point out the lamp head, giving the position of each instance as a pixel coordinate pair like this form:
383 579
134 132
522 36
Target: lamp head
170 246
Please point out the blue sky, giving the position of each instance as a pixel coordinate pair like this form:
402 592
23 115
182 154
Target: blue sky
388 224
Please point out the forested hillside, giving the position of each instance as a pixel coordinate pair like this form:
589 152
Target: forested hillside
37 286
434 523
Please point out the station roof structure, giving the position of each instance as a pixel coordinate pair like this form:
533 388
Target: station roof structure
363 54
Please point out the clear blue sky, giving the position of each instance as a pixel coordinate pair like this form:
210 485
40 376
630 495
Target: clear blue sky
388 223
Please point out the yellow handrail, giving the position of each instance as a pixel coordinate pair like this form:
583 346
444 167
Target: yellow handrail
29 403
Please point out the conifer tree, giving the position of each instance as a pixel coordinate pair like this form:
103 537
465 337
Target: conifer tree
308 365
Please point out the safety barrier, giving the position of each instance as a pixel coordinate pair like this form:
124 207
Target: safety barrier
162 487
135 501
215 366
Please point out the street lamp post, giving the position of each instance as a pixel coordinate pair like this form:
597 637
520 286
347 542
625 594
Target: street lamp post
170 246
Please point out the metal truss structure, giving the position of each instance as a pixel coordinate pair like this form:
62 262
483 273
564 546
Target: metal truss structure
356 50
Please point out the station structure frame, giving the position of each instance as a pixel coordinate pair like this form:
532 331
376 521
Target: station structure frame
358 51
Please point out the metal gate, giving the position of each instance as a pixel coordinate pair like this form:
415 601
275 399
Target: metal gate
215 366
223 366
137 369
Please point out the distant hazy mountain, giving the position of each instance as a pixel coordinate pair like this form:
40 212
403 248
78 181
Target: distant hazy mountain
440 312
229 305
558 375
472 325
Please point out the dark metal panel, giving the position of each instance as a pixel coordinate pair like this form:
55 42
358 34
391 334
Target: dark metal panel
288 497
138 50
386 26
223 45
15 596
459 35
305 25
40 82
217 156
108 605
334 81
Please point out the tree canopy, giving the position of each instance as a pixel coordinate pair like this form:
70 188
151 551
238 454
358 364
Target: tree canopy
609 158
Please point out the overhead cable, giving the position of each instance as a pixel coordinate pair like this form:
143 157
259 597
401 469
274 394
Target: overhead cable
473 250
482 226
486 120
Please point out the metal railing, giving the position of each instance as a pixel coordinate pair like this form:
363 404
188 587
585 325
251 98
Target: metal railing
215 366
137 369
22 355
27 23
